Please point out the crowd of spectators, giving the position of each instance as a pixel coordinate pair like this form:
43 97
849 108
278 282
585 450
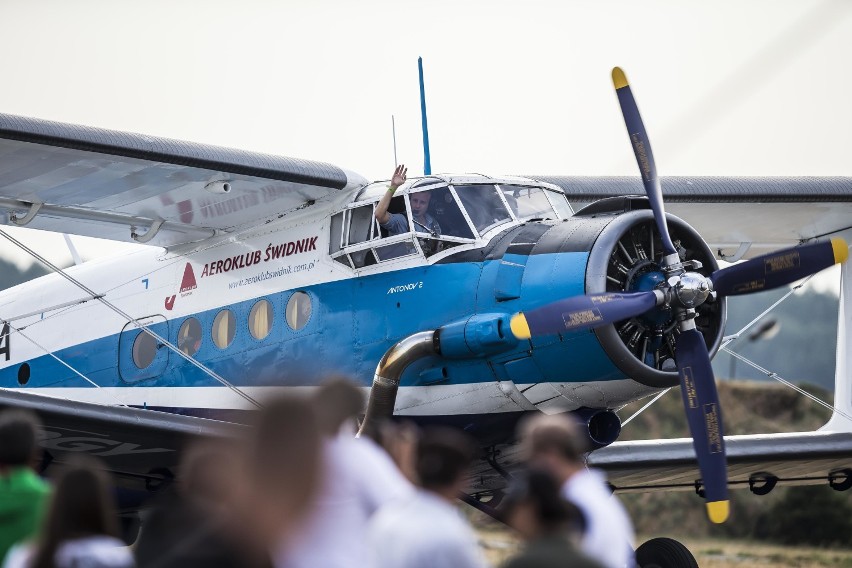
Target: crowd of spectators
303 491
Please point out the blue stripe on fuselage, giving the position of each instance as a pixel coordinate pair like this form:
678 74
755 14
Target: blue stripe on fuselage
353 323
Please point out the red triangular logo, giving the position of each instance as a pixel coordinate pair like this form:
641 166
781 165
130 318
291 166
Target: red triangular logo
188 282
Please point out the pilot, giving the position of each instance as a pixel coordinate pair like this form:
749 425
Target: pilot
397 223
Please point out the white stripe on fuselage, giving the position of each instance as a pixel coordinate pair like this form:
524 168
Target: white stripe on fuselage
434 400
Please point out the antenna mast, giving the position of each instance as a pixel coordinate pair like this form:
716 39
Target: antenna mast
427 162
393 130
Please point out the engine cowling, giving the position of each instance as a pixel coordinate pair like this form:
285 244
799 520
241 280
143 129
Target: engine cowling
622 258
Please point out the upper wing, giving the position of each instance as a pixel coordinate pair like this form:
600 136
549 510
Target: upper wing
724 209
108 184
141 448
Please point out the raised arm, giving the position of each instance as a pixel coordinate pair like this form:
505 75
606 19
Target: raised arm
399 177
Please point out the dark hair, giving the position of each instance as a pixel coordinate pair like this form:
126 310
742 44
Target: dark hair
284 453
557 434
337 400
443 456
540 489
82 505
18 433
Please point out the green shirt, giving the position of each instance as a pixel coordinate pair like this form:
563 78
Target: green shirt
23 499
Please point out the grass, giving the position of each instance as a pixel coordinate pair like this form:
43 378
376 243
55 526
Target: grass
499 543
735 553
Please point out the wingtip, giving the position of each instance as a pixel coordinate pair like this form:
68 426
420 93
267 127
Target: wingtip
718 511
619 79
841 250
520 327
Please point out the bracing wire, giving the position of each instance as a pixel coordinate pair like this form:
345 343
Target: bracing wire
163 341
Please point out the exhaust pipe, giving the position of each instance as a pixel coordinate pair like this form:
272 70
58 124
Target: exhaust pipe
601 427
388 374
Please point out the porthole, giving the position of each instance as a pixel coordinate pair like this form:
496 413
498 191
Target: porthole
224 329
24 374
189 337
144 350
260 319
298 310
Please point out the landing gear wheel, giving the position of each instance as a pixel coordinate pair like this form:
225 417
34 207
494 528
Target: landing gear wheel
664 553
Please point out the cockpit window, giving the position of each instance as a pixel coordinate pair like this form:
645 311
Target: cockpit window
528 202
483 205
444 208
362 225
560 202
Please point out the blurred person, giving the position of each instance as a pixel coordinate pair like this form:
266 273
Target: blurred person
427 529
198 521
550 525
81 525
235 498
358 479
555 443
284 469
23 494
399 440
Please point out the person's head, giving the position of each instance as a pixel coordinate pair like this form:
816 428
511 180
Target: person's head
443 458
553 442
82 505
19 430
338 400
534 506
207 473
282 466
420 202
399 440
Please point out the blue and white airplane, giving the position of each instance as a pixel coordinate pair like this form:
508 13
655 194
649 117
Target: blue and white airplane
264 273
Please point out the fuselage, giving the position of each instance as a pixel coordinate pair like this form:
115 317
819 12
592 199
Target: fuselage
327 291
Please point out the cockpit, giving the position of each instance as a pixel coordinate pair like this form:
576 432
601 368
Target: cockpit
431 215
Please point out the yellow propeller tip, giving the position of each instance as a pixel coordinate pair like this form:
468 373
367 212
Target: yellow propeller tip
718 511
841 250
619 79
520 327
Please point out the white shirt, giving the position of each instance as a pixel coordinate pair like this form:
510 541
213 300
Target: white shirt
424 531
609 537
359 478
92 552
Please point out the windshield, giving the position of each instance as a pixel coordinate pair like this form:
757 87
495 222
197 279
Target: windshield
528 202
483 205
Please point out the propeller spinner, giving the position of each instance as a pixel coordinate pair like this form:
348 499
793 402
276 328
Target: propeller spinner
683 290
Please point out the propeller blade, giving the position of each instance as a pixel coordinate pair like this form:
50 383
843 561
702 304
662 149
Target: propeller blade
778 268
701 402
644 157
583 312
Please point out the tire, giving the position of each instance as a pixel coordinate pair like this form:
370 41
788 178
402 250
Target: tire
664 553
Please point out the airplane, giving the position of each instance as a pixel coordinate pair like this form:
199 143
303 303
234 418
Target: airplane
538 294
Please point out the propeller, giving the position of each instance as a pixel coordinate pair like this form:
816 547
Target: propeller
584 312
683 291
778 268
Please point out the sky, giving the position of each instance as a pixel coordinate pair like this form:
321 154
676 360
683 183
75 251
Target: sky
725 88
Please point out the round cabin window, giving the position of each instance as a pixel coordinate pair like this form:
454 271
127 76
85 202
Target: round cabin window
144 349
189 337
260 319
298 310
224 329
